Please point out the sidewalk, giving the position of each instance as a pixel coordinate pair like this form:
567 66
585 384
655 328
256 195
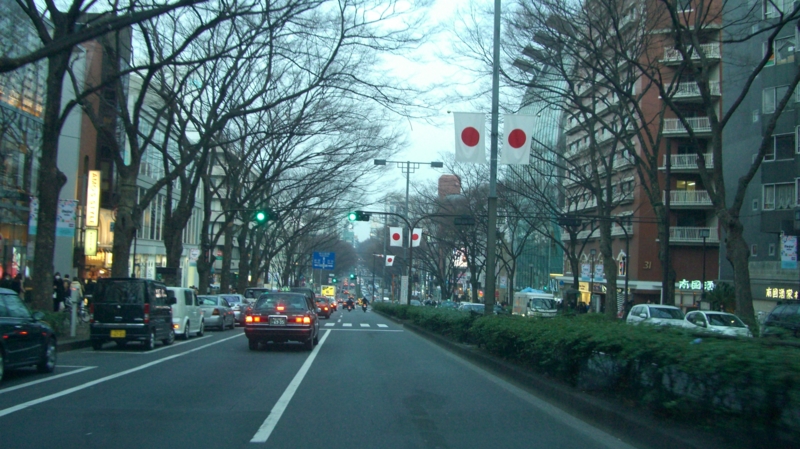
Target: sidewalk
80 340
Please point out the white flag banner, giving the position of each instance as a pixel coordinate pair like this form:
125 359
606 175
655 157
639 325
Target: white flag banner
389 260
416 236
395 236
517 142
470 137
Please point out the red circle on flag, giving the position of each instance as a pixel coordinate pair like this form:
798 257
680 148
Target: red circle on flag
389 259
414 236
470 136
396 236
516 138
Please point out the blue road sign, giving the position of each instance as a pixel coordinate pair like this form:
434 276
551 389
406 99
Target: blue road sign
323 261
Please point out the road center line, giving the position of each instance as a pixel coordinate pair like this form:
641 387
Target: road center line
275 414
48 379
25 405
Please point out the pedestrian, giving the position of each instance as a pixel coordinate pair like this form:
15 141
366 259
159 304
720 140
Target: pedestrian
16 283
6 282
58 291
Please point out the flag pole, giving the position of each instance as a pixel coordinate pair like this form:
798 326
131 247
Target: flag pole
491 232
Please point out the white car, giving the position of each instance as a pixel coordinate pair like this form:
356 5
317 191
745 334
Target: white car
658 314
187 318
719 322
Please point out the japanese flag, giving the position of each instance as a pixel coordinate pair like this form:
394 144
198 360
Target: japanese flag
395 236
389 260
470 137
517 143
416 236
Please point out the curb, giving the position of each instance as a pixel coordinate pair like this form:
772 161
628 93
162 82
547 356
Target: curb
73 345
631 425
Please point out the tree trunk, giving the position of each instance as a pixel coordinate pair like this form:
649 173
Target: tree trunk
50 182
609 268
173 242
128 216
225 277
738 254
662 257
244 260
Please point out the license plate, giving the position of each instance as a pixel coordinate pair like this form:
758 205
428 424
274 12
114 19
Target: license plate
118 333
277 321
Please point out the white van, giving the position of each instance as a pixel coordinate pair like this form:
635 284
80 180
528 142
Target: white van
187 318
535 304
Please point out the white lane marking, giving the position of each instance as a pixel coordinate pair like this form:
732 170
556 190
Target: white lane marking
275 414
48 379
383 325
347 324
339 321
367 330
364 325
330 324
152 351
25 405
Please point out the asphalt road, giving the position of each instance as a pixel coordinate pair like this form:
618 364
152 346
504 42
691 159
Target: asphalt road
368 384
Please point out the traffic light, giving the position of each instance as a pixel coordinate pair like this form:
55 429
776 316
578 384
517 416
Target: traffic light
334 280
262 216
352 276
358 215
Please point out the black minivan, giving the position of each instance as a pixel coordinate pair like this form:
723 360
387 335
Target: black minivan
130 309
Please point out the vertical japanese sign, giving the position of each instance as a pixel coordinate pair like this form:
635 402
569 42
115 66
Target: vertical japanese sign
788 252
90 242
93 199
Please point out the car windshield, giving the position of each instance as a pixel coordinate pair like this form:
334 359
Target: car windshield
207 301
542 303
724 319
666 313
233 299
273 302
254 292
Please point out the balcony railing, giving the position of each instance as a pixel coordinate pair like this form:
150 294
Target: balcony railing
691 235
687 161
673 126
620 162
616 230
710 50
688 198
692 90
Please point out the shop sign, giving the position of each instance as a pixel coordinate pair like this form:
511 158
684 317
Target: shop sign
93 199
90 242
683 284
781 293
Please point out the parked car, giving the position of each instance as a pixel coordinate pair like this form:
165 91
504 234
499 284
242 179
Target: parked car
27 340
719 322
255 292
131 309
238 303
415 302
280 317
187 318
472 307
447 305
658 314
783 321
216 311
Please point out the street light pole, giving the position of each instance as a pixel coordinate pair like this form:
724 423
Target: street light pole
593 252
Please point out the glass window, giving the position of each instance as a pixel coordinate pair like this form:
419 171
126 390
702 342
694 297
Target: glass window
784 50
755 115
754 250
783 147
187 298
274 302
768 100
779 196
15 308
774 8
771 249
755 204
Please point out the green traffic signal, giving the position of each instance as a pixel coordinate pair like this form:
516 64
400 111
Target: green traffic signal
334 280
352 276
261 216
358 215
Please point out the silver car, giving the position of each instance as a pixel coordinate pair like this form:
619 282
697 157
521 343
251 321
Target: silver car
719 322
238 304
216 311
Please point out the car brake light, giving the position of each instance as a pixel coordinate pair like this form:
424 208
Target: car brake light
281 308
248 319
306 320
298 320
175 326
216 312
146 313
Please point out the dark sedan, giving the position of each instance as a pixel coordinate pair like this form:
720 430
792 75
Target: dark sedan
26 339
279 317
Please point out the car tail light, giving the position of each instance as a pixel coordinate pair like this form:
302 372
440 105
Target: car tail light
281 308
216 312
176 326
257 319
248 319
146 313
298 319
306 320
324 308
91 313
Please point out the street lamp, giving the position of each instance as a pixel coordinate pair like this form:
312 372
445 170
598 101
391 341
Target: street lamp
593 252
797 243
704 234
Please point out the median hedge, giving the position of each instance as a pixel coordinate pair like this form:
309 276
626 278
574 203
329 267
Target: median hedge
738 383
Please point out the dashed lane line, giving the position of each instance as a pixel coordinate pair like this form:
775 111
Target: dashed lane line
48 379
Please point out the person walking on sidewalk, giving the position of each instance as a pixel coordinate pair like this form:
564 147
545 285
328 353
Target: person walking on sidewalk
58 292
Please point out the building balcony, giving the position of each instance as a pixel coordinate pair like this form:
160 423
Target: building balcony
700 125
686 162
617 230
621 162
588 234
683 235
673 56
691 91
687 199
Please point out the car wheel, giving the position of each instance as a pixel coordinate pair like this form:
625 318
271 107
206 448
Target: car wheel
48 362
97 345
170 338
316 339
185 334
150 343
202 329
252 344
309 344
